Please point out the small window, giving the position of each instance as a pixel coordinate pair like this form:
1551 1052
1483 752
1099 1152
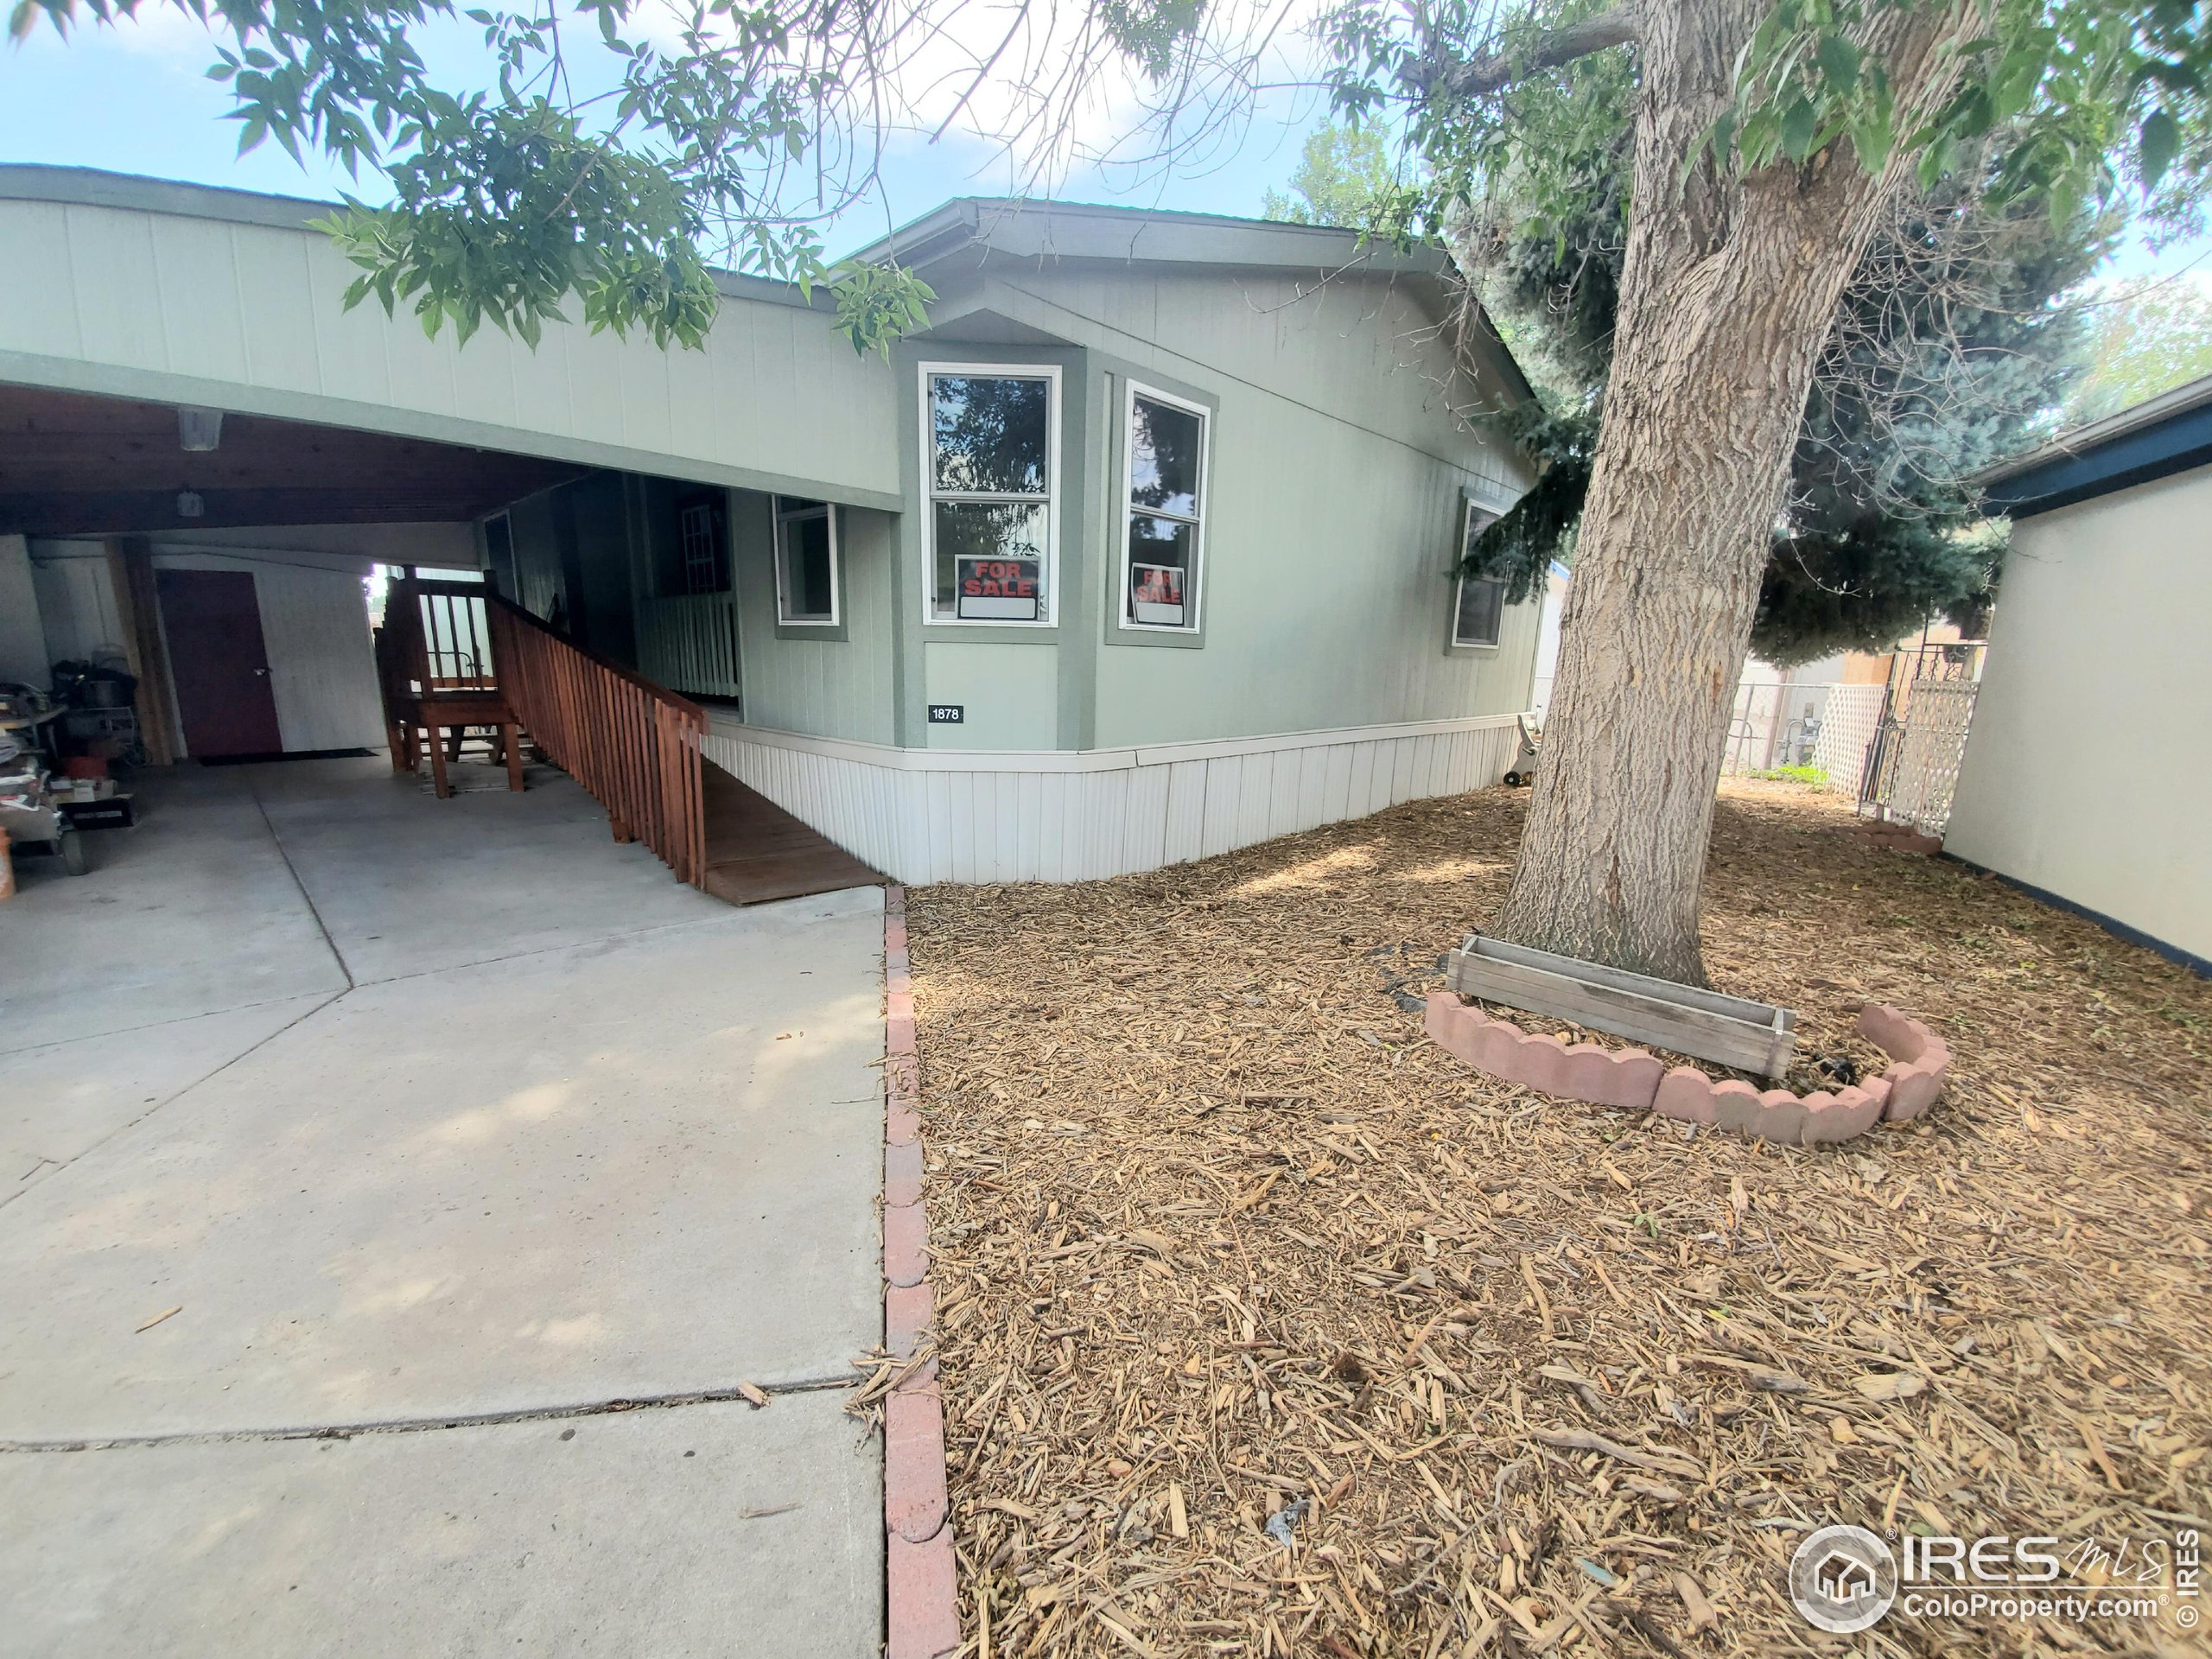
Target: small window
806 563
1478 602
1163 529
702 543
991 464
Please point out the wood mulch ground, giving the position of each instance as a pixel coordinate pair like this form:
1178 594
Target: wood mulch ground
1267 1327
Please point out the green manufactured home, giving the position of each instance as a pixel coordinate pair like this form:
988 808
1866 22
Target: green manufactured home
1142 551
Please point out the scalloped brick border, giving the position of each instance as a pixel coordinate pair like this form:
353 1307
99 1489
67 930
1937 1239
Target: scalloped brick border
1635 1080
921 1603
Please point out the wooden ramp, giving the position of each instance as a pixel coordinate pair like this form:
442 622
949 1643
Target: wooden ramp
756 851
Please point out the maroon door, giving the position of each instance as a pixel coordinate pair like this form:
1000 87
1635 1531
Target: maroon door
219 663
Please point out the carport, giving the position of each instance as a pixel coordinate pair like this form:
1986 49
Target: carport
400 1197
405 1200
181 388
219 557
222 555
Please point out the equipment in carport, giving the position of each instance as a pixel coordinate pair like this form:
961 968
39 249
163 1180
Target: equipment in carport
93 685
29 813
1523 769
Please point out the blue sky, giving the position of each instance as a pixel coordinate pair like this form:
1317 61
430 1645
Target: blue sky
136 100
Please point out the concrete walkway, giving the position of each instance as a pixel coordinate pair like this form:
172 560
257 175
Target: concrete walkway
480 1164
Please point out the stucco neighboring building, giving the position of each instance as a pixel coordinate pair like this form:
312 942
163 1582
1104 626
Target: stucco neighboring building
2086 776
1144 551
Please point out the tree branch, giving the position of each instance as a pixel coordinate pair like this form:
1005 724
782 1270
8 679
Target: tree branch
1495 70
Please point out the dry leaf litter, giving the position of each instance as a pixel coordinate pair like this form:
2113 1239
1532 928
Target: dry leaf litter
1266 1327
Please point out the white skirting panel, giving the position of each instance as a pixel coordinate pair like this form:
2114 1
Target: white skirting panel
937 815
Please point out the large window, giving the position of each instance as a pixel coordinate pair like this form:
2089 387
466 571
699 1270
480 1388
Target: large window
1163 528
1478 602
806 563
991 465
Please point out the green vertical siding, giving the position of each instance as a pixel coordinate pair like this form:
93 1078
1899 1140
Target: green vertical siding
599 609
533 524
1332 513
1328 595
1338 464
802 681
188 294
1010 694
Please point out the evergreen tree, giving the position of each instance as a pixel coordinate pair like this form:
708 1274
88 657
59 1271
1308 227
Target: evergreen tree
1949 353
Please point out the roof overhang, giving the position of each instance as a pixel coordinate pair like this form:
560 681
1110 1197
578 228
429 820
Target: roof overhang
981 226
91 186
969 231
2169 433
974 234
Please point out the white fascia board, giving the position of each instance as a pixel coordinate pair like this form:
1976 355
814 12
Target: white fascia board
1077 760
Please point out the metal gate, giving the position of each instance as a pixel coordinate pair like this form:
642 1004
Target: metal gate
1912 765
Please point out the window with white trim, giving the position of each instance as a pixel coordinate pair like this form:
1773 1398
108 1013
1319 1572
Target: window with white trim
1163 529
1478 602
806 563
990 468
702 543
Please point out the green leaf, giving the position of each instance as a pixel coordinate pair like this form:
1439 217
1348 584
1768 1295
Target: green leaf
2156 146
1936 160
1871 138
1839 60
1800 124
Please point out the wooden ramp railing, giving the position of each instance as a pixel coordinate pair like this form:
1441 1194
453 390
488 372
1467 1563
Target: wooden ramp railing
435 639
632 745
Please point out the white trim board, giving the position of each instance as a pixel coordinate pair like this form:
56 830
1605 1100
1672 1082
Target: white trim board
1194 575
971 816
1148 755
927 373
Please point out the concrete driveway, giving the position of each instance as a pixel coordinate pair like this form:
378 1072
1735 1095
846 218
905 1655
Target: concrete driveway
395 1195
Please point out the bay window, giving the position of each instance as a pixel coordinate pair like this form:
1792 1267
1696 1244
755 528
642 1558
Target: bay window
991 471
1163 524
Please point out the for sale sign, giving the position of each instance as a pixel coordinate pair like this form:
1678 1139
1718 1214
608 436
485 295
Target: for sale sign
1156 594
999 589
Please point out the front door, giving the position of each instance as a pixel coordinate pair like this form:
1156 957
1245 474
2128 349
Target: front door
219 662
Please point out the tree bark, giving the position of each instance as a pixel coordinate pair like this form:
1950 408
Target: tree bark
1729 287
1616 26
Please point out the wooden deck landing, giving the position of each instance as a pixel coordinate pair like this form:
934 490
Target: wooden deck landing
756 851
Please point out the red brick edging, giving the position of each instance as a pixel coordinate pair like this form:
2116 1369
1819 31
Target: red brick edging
921 1604
1635 1081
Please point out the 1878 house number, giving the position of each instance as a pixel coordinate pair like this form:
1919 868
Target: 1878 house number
948 714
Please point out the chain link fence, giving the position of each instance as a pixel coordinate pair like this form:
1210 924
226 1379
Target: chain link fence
1820 731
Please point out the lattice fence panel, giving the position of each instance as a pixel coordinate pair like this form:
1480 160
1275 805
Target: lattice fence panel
1848 723
1928 757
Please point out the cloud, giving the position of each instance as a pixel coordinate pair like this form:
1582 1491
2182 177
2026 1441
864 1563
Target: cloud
165 32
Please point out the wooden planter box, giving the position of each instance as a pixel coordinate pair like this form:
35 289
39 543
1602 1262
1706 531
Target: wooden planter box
1726 1030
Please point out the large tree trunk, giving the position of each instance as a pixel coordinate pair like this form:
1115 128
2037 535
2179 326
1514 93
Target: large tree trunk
1728 290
